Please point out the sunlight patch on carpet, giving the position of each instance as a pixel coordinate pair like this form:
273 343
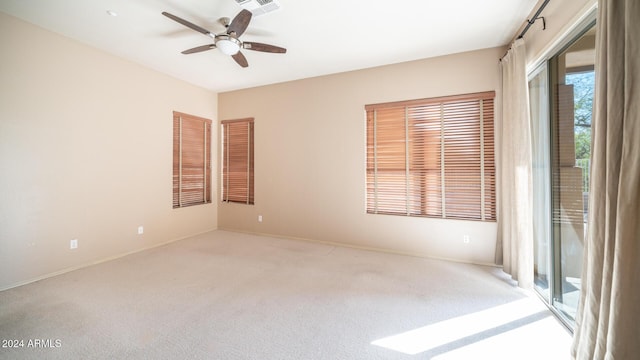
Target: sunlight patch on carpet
463 329
520 343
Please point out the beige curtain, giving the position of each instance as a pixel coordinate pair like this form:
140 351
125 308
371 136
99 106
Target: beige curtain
515 237
608 319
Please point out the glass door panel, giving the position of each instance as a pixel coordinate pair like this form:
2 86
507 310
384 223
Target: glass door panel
572 84
561 98
541 175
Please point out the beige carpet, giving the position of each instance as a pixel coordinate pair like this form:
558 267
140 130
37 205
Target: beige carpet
225 295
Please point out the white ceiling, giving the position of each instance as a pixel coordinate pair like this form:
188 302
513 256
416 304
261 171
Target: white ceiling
321 37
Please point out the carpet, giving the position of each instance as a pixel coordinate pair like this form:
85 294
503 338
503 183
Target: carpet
225 295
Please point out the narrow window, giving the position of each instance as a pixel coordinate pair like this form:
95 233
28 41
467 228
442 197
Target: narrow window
237 161
432 157
191 160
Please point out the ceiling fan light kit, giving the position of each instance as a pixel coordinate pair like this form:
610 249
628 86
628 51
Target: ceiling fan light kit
228 45
229 42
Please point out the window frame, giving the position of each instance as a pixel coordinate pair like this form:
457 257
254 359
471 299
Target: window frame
401 138
191 160
237 186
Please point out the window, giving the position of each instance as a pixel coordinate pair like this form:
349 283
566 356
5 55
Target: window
432 157
191 160
237 161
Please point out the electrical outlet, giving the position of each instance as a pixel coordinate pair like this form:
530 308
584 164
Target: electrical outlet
259 218
140 230
73 244
465 239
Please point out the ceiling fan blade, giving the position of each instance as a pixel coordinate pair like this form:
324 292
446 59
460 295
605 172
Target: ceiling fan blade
256 46
239 23
240 59
198 49
187 23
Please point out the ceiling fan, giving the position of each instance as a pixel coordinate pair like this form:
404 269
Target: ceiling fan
229 43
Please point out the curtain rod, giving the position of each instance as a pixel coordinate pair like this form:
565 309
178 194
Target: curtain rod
531 21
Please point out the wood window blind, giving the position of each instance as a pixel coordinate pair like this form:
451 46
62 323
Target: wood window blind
432 157
191 160
237 161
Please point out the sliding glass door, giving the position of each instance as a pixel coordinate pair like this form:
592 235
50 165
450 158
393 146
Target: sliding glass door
561 97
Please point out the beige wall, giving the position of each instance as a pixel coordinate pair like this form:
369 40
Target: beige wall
310 157
85 153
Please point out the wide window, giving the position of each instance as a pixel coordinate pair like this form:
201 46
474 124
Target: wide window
191 160
237 161
432 157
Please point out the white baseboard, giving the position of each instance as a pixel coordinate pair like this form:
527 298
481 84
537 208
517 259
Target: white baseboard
72 268
362 247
